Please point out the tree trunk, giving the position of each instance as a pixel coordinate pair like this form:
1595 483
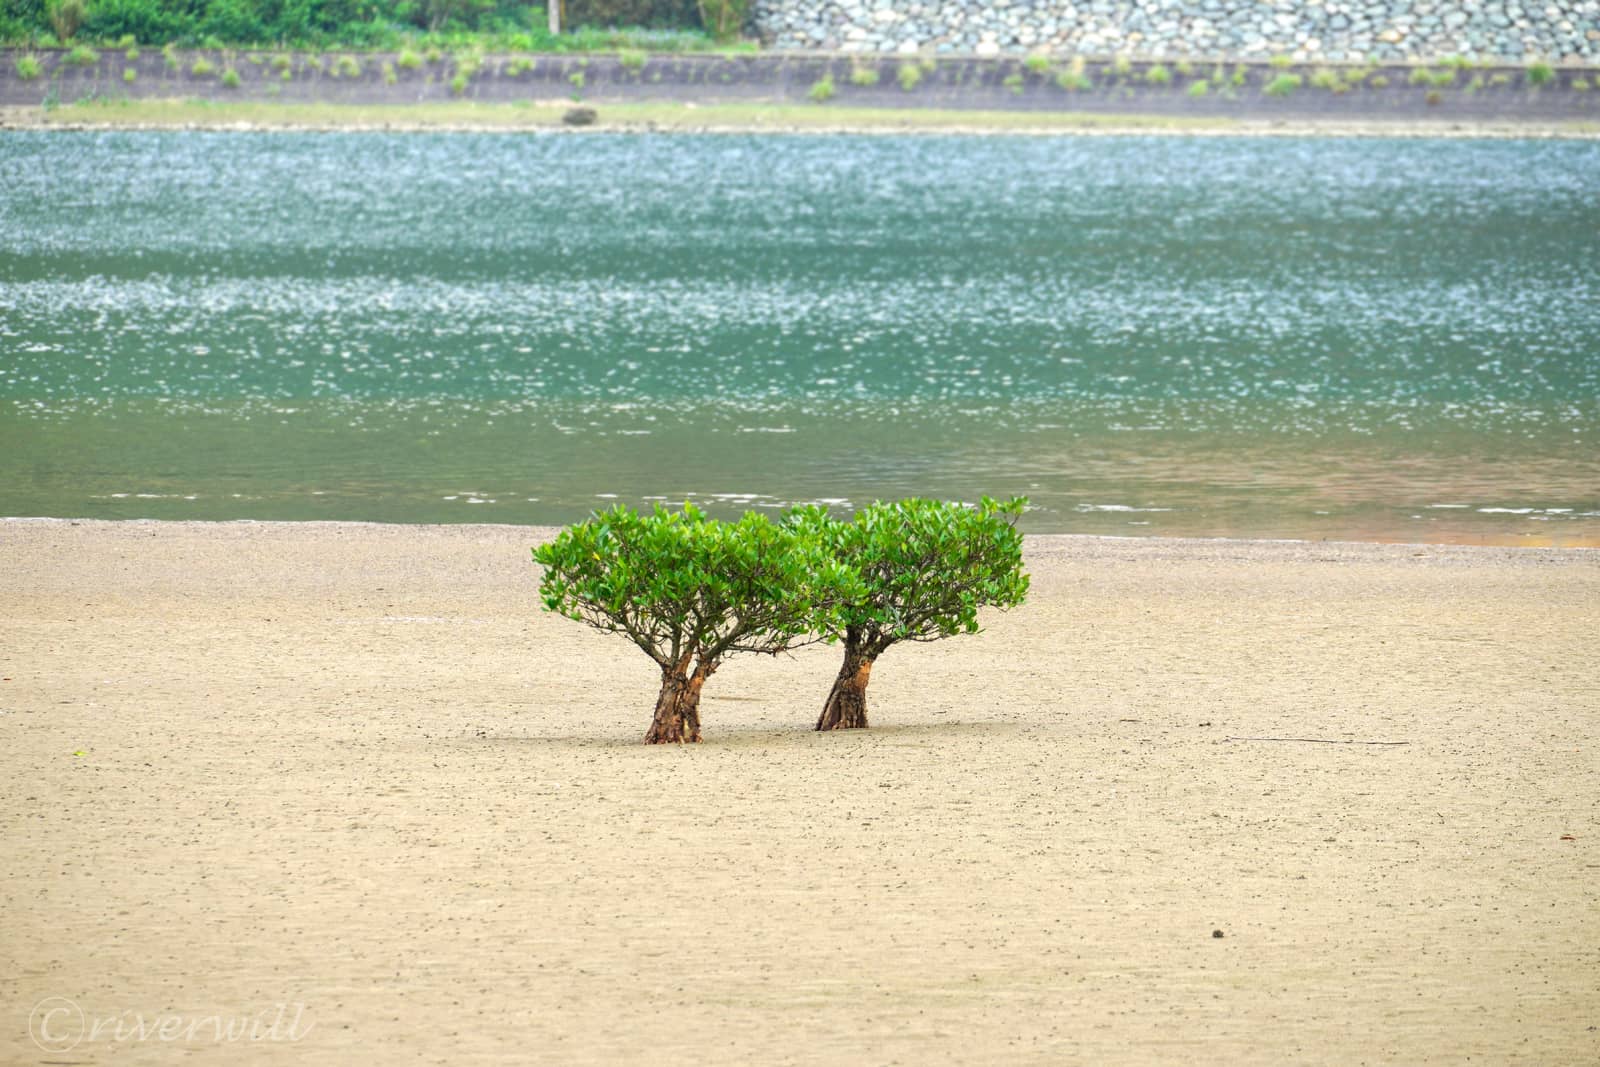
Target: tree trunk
846 708
677 716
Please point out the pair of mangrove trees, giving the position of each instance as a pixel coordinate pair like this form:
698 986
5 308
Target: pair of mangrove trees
690 590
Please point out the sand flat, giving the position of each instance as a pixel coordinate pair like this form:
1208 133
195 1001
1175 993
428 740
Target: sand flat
352 768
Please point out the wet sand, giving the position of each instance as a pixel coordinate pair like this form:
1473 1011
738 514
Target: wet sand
352 770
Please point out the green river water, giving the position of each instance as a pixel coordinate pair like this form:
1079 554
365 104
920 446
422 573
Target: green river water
1336 338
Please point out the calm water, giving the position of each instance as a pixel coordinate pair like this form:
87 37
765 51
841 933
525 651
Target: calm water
1340 338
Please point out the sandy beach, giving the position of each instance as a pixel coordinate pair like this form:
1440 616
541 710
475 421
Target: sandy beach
352 771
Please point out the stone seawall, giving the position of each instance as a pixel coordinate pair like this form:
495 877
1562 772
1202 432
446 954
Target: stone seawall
1359 30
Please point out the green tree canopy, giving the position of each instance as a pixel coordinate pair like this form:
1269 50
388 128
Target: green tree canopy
341 23
689 591
925 567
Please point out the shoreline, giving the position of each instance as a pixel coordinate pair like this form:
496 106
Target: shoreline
545 117
543 531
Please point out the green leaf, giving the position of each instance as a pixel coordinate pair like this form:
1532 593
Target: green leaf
923 568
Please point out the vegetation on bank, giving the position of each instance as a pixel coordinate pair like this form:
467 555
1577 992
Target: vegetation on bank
849 91
689 591
377 25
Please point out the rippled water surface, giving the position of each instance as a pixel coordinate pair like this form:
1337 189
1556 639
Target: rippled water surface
1320 338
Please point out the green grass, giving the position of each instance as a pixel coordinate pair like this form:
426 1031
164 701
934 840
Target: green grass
822 90
1581 85
1499 80
1014 83
387 33
1435 79
408 60
389 74
281 61
28 67
864 76
458 84
81 56
519 66
202 67
433 55
1037 64
1540 73
1074 81
1199 88
909 75
1379 81
346 66
632 60
576 78
1158 75
1323 78
129 75
1281 62
1183 67
1121 66
132 53
230 79
1282 85
595 39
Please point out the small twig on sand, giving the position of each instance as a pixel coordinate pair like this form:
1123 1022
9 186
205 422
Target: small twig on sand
1316 740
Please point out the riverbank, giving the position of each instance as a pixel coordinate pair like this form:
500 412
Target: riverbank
843 90
549 116
352 768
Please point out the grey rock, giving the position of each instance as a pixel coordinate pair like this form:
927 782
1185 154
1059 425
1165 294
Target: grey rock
1410 29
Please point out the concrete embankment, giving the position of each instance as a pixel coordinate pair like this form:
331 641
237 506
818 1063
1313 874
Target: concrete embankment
1197 88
